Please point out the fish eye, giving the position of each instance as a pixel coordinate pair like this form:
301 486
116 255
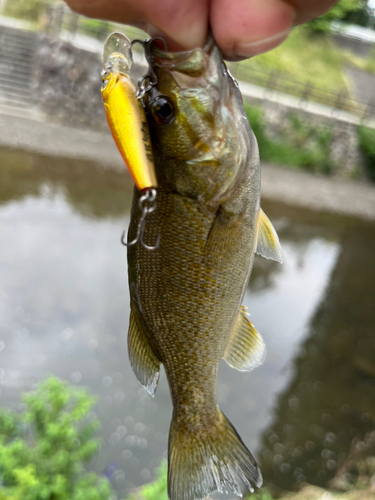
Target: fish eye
162 110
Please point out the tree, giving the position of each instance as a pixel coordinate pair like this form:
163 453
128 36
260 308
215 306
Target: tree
355 11
43 450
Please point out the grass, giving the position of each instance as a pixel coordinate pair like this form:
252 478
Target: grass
156 490
367 143
298 145
369 63
305 57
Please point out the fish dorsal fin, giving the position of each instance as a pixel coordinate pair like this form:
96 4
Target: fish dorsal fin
143 360
268 244
246 349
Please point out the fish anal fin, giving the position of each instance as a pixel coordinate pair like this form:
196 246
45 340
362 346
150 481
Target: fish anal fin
268 244
245 349
143 360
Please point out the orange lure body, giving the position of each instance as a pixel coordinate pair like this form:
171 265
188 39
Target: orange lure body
127 121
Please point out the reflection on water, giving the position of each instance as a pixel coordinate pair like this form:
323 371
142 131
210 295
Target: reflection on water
88 188
330 399
64 308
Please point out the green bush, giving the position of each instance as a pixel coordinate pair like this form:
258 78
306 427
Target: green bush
367 143
157 489
43 450
299 144
343 10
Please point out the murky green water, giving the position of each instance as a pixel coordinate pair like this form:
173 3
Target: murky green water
64 308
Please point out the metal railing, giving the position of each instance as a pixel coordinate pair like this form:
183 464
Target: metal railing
275 81
60 19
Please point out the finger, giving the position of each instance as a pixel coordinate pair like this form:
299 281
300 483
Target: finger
244 28
182 22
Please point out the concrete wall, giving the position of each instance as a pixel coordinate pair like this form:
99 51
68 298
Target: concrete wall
343 148
68 83
68 89
357 47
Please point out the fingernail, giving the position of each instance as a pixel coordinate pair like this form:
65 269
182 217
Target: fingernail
193 37
260 46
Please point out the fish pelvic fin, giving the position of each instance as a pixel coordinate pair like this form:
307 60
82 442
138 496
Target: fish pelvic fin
143 360
268 244
245 349
204 462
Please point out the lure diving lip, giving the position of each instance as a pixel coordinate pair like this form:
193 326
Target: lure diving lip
125 113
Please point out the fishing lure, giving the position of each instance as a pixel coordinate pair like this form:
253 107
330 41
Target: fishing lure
128 123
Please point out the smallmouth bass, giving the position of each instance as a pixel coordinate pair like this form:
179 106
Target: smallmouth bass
186 296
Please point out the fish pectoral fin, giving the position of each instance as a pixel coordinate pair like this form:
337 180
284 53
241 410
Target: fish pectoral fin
245 349
143 360
268 244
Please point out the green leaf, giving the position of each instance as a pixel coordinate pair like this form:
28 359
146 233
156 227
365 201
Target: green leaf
43 450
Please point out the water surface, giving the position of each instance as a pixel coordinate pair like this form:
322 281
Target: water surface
64 309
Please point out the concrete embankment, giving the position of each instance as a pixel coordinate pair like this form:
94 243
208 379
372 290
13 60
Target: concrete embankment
292 187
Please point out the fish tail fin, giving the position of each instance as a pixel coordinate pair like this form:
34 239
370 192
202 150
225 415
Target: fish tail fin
205 461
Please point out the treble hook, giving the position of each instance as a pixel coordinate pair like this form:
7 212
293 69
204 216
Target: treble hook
149 196
150 77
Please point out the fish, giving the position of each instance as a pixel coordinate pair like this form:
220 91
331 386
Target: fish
186 296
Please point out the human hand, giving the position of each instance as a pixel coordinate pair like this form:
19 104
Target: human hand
241 28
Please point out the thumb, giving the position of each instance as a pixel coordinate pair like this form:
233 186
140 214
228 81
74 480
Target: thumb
182 23
244 28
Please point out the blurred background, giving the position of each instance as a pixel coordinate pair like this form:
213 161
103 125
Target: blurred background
308 413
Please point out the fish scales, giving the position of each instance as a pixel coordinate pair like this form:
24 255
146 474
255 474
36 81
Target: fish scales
186 295
188 300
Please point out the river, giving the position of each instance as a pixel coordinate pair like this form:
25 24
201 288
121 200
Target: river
64 310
